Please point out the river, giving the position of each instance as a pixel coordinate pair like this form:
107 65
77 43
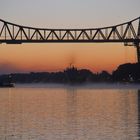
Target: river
63 112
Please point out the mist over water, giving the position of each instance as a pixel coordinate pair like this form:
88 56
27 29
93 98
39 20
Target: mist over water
79 112
82 86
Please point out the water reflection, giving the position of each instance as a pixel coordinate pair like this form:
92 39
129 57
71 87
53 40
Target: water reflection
69 113
71 108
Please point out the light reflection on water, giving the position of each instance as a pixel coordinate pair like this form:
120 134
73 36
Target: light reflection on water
69 113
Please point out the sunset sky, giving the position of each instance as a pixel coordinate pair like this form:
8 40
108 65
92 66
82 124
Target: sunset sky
66 14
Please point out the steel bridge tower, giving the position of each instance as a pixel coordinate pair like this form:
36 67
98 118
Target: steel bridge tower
137 44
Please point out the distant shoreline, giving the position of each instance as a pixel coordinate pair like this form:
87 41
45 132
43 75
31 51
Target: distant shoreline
126 73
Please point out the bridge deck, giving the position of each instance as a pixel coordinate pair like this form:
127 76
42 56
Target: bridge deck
69 41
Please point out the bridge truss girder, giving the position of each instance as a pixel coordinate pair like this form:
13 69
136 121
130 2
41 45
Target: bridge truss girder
123 33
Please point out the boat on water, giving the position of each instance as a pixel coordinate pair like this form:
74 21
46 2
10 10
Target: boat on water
6 85
6 81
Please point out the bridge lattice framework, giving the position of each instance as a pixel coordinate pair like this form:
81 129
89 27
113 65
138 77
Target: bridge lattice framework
127 33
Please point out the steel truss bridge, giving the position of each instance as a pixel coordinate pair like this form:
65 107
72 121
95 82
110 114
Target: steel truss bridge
127 33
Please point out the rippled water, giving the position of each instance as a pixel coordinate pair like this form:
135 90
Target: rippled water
69 113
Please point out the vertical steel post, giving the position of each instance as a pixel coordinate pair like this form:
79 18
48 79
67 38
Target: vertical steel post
137 43
138 52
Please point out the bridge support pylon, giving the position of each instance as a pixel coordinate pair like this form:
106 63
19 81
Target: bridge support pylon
138 52
137 44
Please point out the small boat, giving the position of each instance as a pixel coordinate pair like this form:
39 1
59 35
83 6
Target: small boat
6 85
6 81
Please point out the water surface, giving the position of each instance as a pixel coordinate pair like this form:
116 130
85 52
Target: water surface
57 112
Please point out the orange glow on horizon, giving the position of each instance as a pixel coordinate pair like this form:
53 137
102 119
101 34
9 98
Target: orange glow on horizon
55 57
